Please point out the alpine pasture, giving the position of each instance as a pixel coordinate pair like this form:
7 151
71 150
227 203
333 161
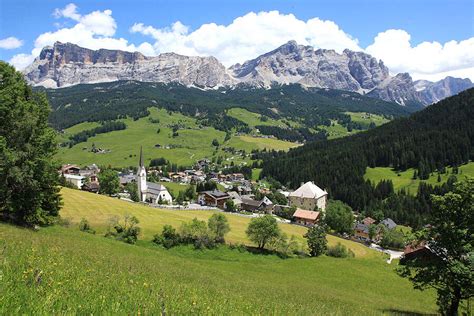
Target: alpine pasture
62 270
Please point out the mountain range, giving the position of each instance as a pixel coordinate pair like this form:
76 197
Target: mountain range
66 64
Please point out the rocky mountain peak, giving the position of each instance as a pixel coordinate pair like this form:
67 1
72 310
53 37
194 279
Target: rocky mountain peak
66 64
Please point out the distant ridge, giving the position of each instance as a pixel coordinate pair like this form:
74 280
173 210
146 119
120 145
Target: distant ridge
66 64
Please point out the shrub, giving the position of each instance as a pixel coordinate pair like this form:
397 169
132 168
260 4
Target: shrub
286 248
64 221
196 233
339 251
169 237
127 232
85 227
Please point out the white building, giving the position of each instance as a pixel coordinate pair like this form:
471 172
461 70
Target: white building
309 197
148 191
76 180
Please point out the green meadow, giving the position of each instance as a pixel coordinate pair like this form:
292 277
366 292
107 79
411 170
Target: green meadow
193 142
404 179
60 270
367 118
254 119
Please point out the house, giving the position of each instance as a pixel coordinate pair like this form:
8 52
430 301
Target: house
150 192
127 178
70 169
361 231
251 205
236 198
368 221
421 252
235 177
213 198
309 197
304 217
389 223
92 187
74 179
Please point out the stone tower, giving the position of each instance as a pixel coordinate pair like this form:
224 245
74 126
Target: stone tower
141 178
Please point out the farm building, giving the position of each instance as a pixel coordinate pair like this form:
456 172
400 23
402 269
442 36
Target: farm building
309 197
213 198
251 205
304 217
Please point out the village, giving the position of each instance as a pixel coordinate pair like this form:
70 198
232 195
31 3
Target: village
233 192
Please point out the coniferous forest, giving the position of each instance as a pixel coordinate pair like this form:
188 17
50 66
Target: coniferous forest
438 136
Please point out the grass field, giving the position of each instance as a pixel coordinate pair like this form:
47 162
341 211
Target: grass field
192 143
64 271
403 180
336 130
367 118
254 119
98 209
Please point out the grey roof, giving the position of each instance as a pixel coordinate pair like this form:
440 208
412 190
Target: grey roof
216 194
155 187
389 223
251 202
362 227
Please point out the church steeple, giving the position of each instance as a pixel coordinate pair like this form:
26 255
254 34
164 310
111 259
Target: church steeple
141 157
141 178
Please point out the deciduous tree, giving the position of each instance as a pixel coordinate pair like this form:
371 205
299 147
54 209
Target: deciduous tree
450 238
29 181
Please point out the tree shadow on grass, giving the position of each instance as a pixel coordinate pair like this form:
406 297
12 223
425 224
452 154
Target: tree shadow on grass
400 312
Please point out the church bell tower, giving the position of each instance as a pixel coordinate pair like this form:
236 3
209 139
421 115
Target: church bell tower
141 178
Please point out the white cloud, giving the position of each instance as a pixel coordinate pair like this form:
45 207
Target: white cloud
69 11
247 36
427 60
10 43
94 30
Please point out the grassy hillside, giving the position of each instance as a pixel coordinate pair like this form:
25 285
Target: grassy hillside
98 209
403 180
64 271
192 143
367 118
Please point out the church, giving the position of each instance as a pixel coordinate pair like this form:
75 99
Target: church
149 192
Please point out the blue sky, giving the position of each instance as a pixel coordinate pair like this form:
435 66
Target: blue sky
412 29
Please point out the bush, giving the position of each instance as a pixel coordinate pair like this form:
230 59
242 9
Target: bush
169 237
64 221
286 248
127 232
339 251
196 233
85 227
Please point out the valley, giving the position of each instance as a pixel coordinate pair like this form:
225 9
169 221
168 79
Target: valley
236 159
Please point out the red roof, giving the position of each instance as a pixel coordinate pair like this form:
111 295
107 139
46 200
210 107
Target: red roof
368 221
311 215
